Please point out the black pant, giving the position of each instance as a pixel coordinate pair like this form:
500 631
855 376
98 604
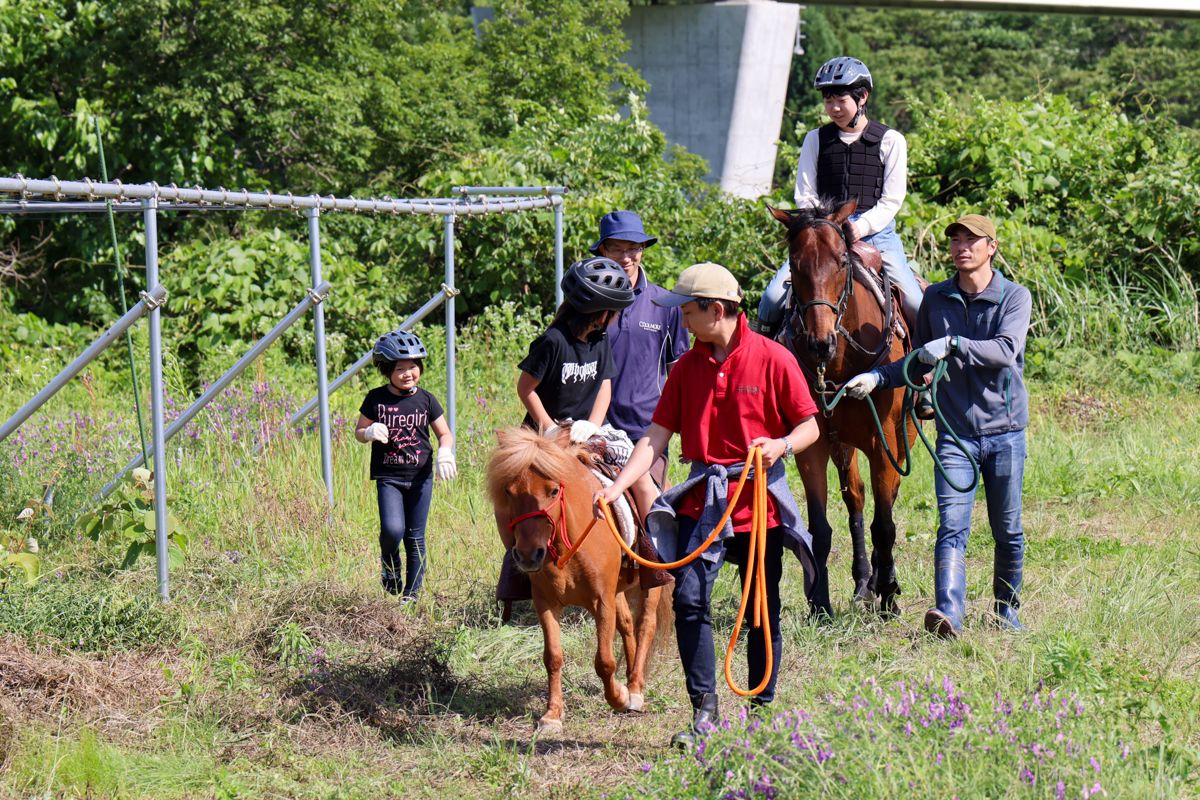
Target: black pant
693 615
403 510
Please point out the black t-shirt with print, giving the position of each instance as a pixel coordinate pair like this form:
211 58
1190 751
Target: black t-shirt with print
569 371
408 455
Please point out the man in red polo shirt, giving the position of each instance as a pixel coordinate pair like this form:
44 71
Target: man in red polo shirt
733 390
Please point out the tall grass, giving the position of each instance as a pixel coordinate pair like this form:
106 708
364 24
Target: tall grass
279 641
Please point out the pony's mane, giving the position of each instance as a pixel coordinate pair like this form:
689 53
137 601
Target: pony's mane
522 450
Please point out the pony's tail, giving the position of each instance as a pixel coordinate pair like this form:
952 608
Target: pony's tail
664 622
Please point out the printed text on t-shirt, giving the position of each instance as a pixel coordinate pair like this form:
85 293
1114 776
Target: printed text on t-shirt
577 373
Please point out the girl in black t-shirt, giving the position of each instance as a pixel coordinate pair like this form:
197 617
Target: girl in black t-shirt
568 374
569 369
395 419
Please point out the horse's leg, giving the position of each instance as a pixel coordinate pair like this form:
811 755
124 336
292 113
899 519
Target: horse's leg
615 692
647 627
549 616
811 463
625 627
885 486
854 496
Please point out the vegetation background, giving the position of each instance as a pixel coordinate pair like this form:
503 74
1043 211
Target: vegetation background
281 670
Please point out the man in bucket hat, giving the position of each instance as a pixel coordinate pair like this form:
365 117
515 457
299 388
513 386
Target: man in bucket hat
977 322
733 390
646 339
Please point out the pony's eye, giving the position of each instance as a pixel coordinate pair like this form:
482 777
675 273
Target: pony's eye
554 492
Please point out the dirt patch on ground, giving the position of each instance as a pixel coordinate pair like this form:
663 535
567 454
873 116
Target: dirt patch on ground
119 691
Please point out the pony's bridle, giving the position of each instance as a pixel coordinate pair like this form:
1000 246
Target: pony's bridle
558 527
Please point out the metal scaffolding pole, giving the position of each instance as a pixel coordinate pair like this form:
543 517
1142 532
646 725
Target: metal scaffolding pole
558 255
150 218
150 299
311 299
314 262
451 378
224 199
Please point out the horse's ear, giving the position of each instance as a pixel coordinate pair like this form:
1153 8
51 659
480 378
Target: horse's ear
779 214
843 213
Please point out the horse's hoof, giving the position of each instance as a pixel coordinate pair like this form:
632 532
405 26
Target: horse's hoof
622 703
549 727
636 703
889 609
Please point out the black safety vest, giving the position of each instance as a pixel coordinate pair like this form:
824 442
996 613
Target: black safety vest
845 171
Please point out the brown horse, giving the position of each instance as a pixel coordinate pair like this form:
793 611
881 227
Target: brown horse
542 492
837 327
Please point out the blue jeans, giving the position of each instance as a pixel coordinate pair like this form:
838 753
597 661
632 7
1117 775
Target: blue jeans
693 613
403 510
895 264
1001 459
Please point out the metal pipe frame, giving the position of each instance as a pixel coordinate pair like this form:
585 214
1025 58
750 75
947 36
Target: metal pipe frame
313 298
156 296
150 219
341 380
558 256
223 198
546 190
451 367
314 263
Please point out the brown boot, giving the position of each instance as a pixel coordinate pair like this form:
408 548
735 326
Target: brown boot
512 585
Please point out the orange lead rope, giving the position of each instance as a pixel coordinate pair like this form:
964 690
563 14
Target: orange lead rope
756 553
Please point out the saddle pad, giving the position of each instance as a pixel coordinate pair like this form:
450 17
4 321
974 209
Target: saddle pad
621 512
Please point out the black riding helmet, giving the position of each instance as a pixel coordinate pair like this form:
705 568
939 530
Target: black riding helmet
596 284
398 346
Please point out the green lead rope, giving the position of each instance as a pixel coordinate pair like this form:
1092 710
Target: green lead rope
911 390
112 230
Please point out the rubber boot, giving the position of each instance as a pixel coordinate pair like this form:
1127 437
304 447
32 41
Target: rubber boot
1006 588
949 594
511 585
704 719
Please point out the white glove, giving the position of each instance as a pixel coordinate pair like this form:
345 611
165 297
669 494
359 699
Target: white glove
936 350
447 469
376 432
862 385
583 430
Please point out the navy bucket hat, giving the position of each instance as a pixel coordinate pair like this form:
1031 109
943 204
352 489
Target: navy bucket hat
624 225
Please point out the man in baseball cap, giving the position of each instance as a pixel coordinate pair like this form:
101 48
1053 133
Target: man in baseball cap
732 391
646 340
977 322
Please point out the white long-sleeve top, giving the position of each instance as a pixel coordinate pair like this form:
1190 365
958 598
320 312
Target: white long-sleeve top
893 149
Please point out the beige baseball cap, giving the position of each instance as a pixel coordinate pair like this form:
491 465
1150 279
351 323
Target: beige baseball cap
975 223
706 280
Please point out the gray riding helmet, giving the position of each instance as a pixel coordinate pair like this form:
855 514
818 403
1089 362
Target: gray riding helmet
398 345
597 284
843 72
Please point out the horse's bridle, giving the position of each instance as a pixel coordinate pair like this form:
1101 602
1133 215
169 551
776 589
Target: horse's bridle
800 310
558 527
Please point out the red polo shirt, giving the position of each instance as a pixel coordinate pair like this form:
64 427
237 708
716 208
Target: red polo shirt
719 408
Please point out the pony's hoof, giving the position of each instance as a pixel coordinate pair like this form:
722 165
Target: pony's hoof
549 727
622 703
636 703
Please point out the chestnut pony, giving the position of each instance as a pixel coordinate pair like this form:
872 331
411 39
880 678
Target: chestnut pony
542 492
837 328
